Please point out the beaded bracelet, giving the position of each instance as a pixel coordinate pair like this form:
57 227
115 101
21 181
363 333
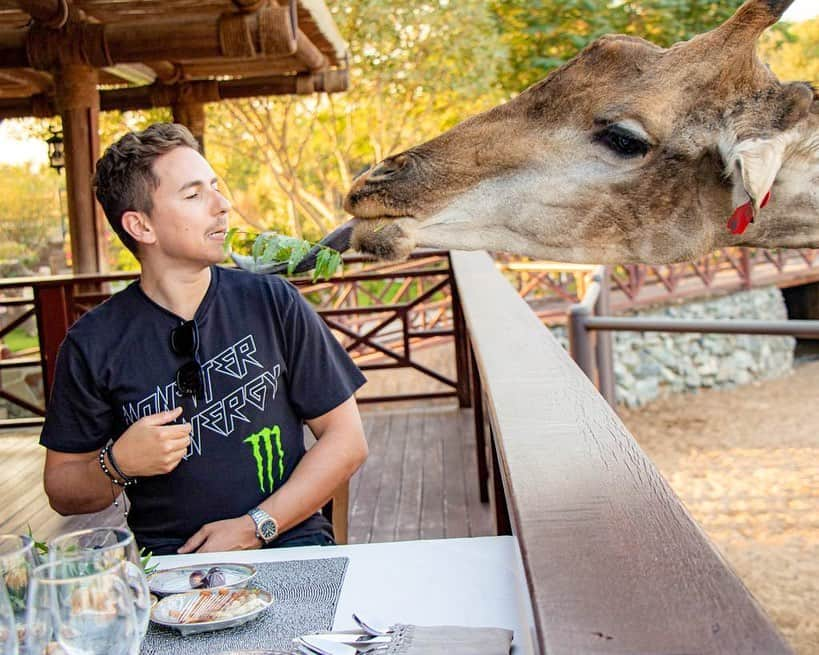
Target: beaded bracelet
125 482
127 478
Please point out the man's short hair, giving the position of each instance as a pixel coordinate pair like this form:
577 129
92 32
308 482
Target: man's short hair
125 179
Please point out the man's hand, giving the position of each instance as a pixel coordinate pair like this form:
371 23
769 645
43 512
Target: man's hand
231 534
151 446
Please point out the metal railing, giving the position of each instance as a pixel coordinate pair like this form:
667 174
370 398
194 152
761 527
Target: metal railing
550 287
383 314
590 327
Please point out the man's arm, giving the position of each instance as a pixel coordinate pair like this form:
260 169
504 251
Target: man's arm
75 483
340 450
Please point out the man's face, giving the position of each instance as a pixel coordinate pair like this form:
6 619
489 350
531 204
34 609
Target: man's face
190 215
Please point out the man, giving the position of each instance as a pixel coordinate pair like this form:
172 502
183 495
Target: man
190 387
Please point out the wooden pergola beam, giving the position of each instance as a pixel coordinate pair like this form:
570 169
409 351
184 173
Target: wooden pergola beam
159 95
51 13
40 82
270 32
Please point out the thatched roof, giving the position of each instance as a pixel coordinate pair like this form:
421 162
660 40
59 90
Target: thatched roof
149 52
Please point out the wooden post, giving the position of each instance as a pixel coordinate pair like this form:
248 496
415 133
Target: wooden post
78 103
191 114
53 304
480 426
462 365
605 346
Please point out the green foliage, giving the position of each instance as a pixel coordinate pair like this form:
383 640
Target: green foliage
793 53
271 247
40 546
542 35
19 339
145 557
29 212
416 69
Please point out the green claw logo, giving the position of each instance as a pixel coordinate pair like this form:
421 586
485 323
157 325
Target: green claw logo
264 460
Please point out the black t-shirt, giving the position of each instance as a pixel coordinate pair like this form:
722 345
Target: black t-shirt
268 363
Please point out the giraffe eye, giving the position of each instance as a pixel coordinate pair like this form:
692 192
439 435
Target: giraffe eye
622 142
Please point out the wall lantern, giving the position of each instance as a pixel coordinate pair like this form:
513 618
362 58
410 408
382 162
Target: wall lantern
56 154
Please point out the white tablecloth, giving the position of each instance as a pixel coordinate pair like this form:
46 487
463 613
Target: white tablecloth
474 582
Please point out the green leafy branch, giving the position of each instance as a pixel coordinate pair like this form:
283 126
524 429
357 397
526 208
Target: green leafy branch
274 248
145 556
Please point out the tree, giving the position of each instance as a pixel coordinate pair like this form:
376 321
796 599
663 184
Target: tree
29 213
793 54
416 69
542 35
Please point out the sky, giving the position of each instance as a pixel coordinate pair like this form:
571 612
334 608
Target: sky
15 148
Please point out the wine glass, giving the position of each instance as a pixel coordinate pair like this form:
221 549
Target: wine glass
8 629
87 612
17 560
98 548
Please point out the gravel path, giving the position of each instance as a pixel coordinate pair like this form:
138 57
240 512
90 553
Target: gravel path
745 462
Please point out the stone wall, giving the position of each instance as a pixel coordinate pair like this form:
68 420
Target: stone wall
651 364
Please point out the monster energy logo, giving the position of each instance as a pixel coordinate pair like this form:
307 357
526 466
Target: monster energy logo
262 444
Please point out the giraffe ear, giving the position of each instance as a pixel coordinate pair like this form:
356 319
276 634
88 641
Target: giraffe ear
753 165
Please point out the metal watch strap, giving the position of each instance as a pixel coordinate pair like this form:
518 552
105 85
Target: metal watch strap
267 529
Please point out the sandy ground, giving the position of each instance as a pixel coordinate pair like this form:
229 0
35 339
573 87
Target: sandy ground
746 464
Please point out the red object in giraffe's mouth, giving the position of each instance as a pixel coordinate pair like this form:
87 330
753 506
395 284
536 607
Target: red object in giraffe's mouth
744 216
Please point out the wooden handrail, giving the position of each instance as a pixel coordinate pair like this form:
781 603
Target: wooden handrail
613 560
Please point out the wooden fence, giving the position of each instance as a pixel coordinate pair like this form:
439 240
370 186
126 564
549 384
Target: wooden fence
381 313
385 313
614 562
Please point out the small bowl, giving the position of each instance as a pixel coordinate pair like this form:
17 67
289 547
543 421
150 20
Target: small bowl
177 580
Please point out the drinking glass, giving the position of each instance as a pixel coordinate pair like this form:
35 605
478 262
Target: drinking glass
8 629
98 548
17 560
85 612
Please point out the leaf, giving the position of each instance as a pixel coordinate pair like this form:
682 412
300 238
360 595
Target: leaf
272 249
258 246
42 547
299 252
327 263
323 261
335 262
145 561
229 236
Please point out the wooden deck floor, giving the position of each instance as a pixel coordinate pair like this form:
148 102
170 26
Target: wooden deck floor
419 482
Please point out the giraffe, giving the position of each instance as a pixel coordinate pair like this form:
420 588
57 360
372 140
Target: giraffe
629 153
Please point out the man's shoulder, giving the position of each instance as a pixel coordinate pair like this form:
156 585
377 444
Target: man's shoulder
105 317
236 279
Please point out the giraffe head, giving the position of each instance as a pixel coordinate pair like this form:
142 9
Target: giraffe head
628 153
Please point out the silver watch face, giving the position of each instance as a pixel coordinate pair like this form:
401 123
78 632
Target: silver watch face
267 529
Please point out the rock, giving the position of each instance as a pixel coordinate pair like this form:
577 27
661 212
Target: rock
646 364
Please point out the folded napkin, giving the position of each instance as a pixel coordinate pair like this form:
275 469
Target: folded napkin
449 639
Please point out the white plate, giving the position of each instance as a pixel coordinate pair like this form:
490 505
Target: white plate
177 580
248 603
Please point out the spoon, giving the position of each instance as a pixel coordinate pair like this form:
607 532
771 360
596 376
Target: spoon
370 629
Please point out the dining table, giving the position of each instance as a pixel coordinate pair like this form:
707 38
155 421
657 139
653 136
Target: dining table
475 581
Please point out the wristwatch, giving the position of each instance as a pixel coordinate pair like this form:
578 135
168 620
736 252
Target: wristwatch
266 527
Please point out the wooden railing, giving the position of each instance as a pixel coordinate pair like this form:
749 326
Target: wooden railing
381 313
550 287
385 313
614 562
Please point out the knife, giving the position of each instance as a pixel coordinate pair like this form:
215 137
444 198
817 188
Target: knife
353 638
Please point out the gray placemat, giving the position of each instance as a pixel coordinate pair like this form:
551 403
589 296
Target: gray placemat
305 596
